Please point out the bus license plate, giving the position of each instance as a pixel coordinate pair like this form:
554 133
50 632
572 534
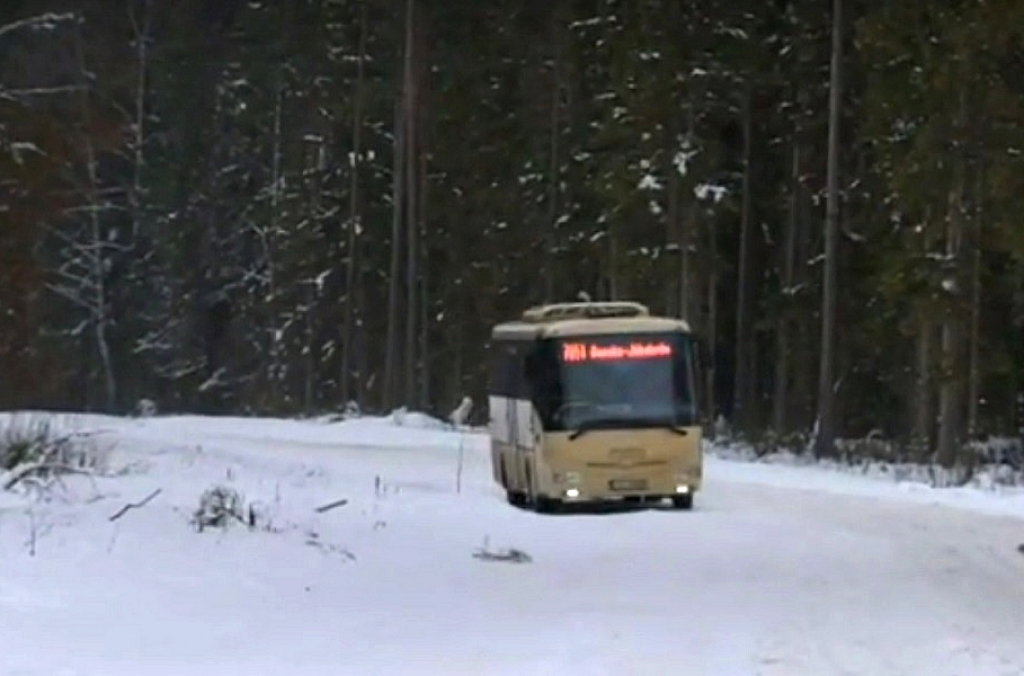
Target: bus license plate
628 484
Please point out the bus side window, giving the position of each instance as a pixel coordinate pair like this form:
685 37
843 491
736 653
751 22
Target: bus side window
542 384
517 372
691 382
531 374
506 370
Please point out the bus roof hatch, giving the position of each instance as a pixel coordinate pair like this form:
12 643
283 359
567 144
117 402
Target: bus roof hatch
594 310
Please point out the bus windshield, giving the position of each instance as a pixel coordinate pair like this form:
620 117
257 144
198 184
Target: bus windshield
613 381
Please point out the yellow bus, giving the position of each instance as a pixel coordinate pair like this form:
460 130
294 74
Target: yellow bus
593 402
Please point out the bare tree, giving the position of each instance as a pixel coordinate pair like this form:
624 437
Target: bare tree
91 256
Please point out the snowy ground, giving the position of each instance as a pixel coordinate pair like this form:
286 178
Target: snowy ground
778 570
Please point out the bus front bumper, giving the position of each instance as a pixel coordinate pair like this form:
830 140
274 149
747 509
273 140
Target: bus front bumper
571 489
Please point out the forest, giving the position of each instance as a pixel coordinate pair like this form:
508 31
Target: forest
296 206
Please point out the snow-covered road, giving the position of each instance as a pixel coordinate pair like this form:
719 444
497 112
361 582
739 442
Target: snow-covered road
777 571
855 585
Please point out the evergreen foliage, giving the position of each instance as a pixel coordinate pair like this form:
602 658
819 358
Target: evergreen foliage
198 203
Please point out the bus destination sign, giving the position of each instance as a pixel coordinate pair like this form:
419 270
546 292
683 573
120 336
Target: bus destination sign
576 353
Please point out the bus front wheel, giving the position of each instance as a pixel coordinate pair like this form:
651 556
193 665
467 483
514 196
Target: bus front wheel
683 501
545 505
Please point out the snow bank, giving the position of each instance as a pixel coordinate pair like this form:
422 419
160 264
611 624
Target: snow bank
409 430
993 488
989 476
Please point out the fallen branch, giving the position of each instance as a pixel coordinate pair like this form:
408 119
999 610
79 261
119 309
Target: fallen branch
331 505
134 505
326 548
511 555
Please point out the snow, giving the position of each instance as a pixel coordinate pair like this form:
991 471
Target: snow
778 569
707 191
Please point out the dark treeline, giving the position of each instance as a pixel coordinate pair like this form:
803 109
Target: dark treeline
284 206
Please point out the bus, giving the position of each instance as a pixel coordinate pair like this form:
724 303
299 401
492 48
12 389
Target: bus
594 402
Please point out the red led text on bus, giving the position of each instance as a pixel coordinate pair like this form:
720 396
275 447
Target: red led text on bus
575 353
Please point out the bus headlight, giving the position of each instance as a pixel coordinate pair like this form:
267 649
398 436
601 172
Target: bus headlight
572 493
682 489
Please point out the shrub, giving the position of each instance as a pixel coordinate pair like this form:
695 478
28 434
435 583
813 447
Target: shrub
33 448
219 506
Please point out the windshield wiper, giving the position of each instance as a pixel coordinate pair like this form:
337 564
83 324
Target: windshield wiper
627 423
665 424
588 425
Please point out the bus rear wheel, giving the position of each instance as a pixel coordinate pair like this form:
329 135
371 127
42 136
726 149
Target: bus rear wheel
515 498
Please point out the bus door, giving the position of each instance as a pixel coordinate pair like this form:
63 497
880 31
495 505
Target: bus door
513 390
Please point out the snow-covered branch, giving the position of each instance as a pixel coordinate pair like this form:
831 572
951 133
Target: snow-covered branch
25 92
48 21
72 295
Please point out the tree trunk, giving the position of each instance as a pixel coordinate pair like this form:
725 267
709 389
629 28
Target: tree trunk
309 379
784 348
741 378
612 273
424 333
411 220
673 290
922 425
97 250
712 330
974 358
391 358
825 438
554 177
806 328
354 218
274 336
366 367
950 389
140 32
687 226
